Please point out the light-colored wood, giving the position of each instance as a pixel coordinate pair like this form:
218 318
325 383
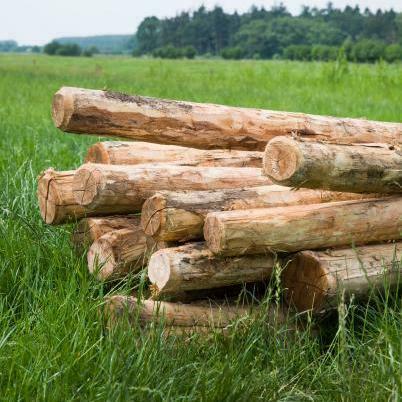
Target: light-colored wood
177 314
123 189
136 153
179 216
353 168
304 227
90 229
317 279
193 267
118 253
56 199
204 126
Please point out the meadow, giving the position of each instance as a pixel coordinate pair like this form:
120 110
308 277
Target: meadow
53 345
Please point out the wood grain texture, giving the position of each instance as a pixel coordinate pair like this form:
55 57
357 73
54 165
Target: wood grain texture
122 189
316 279
179 216
136 153
304 227
203 126
194 267
352 168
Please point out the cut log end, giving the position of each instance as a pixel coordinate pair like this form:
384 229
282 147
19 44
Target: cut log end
282 158
101 260
159 270
48 197
62 108
86 185
213 233
153 215
306 282
98 154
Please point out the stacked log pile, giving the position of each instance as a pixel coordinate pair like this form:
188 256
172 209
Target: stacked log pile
218 197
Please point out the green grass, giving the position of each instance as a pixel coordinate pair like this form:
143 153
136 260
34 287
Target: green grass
52 344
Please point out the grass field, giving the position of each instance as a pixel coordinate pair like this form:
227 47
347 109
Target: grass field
52 344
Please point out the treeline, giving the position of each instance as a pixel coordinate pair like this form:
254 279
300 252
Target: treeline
55 48
314 34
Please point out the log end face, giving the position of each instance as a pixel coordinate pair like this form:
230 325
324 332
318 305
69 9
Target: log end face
101 260
86 184
306 282
159 269
153 215
282 158
97 154
62 108
214 233
48 197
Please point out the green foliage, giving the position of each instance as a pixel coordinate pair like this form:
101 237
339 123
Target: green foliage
8 45
52 342
69 50
274 33
393 53
51 48
171 52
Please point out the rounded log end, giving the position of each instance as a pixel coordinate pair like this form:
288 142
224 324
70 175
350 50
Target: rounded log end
153 215
159 270
101 260
86 184
97 154
62 108
214 233
48 197
282 158
306 282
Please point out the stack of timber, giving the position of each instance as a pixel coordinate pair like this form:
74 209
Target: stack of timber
219 198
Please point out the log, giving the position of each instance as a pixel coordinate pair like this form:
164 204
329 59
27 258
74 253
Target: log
316 279
56 199
193 267
204 126
123 189
136 153
179 216
352 168
90 229
177 314
304 227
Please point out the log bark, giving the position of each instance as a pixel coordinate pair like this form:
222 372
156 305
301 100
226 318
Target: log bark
302 227
352 168
136 153
123 189
204 126
193 267
316 279
121 252
179 216
90 229
56 199
177 314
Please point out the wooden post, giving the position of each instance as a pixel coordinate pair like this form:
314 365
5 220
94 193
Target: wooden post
123 189
56 199
203 126
177 314
353 168
136 153
179 216
316 279
90 229
304 227
193 267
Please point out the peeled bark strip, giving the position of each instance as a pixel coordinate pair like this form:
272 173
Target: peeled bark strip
194 267
204 126
136 153
304 227
353 168
179 216
177 314
56 199
315 279
123 189
90 229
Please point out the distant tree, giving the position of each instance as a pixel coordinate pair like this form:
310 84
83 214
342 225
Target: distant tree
90 51
297 52
393 53
189 52
368 50
69 49
35 49
148 35
8 45
235 53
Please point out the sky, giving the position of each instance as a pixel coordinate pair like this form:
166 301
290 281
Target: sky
36 22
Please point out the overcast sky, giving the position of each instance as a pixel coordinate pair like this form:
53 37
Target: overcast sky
39 21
